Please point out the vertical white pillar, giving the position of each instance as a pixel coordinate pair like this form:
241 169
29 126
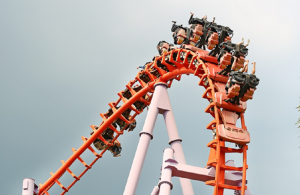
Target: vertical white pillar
186 184
155 191
165 185
145 136
29 187
175 142
160 104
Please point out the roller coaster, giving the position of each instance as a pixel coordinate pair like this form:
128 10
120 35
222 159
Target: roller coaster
223 72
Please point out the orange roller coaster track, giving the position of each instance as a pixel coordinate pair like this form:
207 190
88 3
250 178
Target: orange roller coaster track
165 68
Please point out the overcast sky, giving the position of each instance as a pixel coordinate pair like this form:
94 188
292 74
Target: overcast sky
62 62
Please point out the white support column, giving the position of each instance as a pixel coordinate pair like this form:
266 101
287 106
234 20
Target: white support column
175 142
165 185
29 187
160 104
155 191
186 184
145 136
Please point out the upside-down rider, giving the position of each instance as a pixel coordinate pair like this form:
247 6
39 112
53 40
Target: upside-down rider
225 34
238 50
205 26
164 47
108 135
181 35
240 77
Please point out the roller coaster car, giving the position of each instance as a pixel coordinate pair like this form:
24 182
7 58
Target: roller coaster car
228 130
190 47
225 34
210 37
203 23
139 105
144 77
240 52
213 70
240 86
161 66
122 124
185 35
229 49
126 115
220 102
119 121
202 54
126 93
220 97
154 72
99 144
225 56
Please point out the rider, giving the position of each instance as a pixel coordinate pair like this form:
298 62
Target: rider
181 34
225 34
246 81
205 26
108 135
238 50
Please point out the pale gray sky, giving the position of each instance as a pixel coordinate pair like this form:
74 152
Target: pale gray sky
62 62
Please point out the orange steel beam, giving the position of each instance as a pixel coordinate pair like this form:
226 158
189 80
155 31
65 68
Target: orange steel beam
220 174
244 169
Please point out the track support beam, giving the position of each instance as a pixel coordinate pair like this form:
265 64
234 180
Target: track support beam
160 104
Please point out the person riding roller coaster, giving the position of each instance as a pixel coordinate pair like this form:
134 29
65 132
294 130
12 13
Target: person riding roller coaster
212 38
238 50
143 67
225 34
212 34
138 104
181 35
205 26
108 135
164 47
196 35
243 82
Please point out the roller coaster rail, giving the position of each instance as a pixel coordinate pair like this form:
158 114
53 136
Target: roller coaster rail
226 105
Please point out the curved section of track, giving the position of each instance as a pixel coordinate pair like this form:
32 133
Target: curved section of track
165 69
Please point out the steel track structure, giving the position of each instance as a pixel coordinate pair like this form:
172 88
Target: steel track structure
167 67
